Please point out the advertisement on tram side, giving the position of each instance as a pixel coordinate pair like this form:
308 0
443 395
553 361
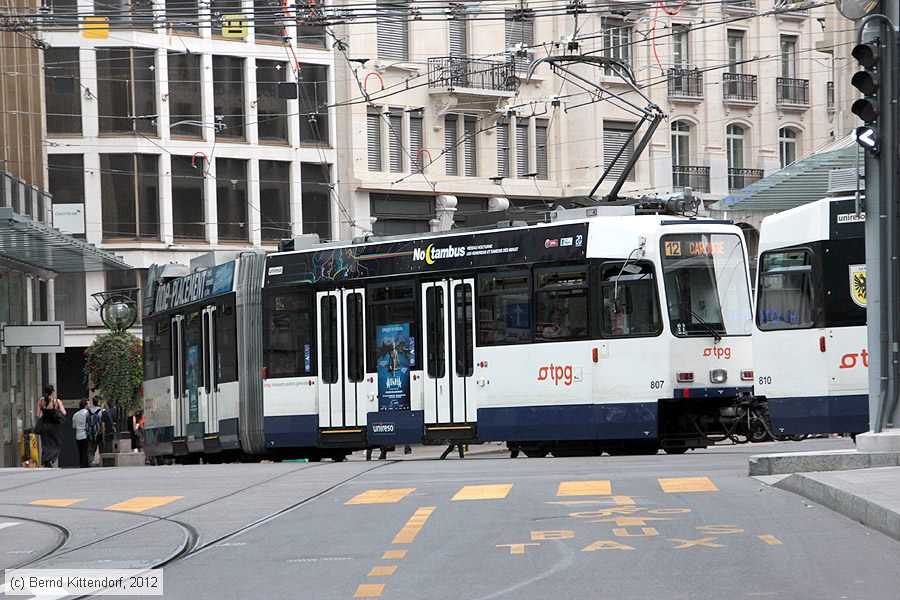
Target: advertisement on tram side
396 354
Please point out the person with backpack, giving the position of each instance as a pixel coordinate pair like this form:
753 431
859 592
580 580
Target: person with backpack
93 429
108 419
78 424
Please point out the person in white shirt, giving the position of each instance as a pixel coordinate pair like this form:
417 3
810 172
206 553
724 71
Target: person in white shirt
79 420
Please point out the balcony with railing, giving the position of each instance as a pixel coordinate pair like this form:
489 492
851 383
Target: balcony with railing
738 179
473 76
739 6
792 92
685 84
792 9
829 96
738 88
696 178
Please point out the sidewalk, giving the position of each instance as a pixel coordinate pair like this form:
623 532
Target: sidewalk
862 486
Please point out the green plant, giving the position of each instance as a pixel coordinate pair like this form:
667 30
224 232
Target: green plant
114 367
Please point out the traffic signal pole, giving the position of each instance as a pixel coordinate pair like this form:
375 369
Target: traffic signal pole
877 52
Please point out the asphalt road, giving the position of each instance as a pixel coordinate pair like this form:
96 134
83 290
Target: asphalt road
691 526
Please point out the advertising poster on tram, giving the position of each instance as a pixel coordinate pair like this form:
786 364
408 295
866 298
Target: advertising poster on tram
193 383
396 354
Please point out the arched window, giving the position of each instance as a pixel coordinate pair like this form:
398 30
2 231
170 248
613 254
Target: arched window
787 146
681 143
734 153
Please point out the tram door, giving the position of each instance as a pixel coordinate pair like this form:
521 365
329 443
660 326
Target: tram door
447 317
210 388
177 397
341 333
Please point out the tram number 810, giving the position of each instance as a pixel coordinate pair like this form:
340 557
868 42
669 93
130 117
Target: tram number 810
767 380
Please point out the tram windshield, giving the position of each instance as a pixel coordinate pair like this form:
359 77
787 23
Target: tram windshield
706 285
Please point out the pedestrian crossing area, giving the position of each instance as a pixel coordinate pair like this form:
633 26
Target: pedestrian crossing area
137 504
582 491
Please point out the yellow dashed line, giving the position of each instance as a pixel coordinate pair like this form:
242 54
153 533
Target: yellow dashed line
369 590
408 534
142 503
394 554
382 571
687 484
381 496
61 502
584 488
483 492
771 540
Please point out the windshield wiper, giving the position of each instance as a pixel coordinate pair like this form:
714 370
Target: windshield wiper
707 326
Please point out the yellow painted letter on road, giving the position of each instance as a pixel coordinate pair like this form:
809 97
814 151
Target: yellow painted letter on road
516 548
561 534
645 532
707 542
720 529
606 545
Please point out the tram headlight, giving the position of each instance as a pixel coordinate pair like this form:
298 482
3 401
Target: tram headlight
718 376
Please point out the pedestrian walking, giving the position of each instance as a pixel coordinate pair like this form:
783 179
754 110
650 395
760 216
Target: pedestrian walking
50 413
137 431
79 420
93 427
109 417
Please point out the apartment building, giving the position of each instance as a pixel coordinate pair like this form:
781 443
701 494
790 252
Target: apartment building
439 115
176 128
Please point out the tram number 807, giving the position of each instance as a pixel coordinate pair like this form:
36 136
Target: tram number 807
657 385
767 380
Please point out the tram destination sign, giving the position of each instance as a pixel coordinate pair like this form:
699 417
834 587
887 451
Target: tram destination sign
430 254
193 288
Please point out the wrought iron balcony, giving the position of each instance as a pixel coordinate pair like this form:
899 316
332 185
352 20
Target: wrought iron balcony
738 179
463 72
696 178
685 83
792 92
829 95
739 6
738 87
792 8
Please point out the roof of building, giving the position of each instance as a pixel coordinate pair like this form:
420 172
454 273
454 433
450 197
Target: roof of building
805 180
38 245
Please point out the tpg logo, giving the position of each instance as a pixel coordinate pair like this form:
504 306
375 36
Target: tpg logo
558 373
718 352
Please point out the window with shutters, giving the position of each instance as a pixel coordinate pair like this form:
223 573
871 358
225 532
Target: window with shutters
615 37
519 26
458 27
470 147
373 135
185 110
63 90
451 156
540 148
503 148
126 90
522 148
418 159
395 139
392 30
615 136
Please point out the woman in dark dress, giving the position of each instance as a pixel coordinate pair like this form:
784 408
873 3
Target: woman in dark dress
51 412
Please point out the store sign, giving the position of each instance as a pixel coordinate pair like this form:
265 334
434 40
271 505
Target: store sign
69 218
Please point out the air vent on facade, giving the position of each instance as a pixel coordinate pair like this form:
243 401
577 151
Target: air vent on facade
843 181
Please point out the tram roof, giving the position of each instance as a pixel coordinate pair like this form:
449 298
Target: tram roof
824 219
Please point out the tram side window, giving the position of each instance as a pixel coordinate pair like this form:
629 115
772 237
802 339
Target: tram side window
329 340
157 349
193 350
561 304
393 321
434 327
226 343
504 308
785 290
465 351
355 364
630 306
290 349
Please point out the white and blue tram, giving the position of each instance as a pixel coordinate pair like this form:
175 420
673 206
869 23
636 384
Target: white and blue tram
202 355
585 334
809 345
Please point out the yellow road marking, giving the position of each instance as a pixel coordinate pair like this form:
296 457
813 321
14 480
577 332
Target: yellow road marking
369 590
408 534
771 540
382 571
142 503
381 496
584 488
61 502
394 554
623 500
516 548
687 484
483 492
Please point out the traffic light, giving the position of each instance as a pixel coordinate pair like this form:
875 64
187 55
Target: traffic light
868 81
